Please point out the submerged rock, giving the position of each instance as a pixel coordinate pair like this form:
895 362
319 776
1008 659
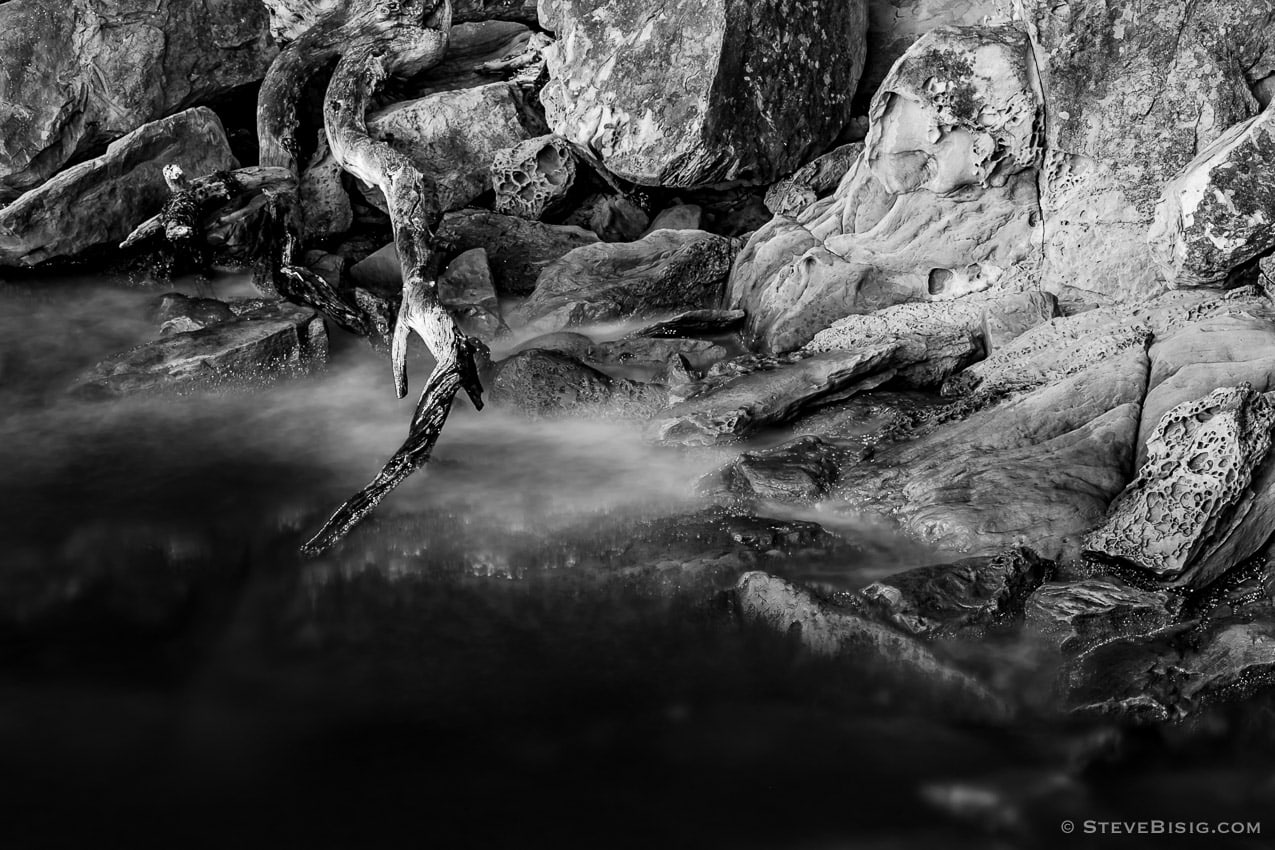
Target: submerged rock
667 271
1075 615
828 631
76 74
176 313
549 383
947 599
771 395
695 95
98 202
259 344
801 470
1202 502
517 249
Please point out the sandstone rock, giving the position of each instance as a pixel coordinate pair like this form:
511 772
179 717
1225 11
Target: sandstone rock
1201 502
893 26
324 202
958 109
533 177
694 95
453 136
467 290
801 470
1219 212
695 323
76 74
547 383
667 271
679 217
947 599
1038 470
1133 91
814 180
739 406
825 630
614 218
272 340
517 249
652 353
864 249
176 312
99 202
1075 615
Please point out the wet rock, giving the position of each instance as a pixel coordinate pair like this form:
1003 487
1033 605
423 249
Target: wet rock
698 95
828 631
176 312
330 267
534 177
1174 672
325 204
947 599
801 470
1075 615
667 271
814 180
260 344
614 218
453 136
740 406
696 323
1218 213
1038 470
77 74
1202 502
98 202
651 353
517 249
679 217
548 383
467 290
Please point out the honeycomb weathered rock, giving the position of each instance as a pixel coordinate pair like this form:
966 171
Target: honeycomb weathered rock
533 177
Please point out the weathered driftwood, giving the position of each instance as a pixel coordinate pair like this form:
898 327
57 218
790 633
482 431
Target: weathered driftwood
414 213
193 199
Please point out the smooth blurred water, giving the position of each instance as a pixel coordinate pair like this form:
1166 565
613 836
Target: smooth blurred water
508 653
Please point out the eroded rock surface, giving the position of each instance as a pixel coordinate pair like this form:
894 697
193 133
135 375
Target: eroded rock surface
692 95
814 180
98 202
1075 615
533 177
801 470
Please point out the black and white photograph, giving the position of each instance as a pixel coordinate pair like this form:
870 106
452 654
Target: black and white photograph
637 424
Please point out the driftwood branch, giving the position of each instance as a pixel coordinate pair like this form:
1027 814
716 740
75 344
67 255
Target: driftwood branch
414 212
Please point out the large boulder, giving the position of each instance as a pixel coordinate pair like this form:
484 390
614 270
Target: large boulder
668 271
99 201
694 94
1133 92
76 74
1219 212
943 201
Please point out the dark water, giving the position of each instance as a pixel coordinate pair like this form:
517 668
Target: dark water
508 655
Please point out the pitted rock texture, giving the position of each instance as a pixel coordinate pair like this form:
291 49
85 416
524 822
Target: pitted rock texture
533 177
1194 493
1038 470
1219 212
76 74
99 201
865 248
686 95
1133 92
517 249
453 136
960 598
814 180
666 272
826 630
960 108
1075 615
